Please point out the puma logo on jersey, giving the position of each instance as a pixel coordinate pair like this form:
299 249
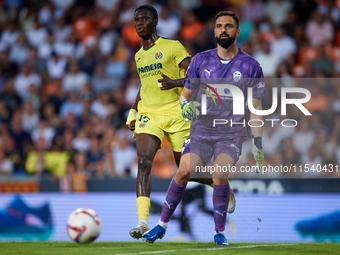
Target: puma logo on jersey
205 70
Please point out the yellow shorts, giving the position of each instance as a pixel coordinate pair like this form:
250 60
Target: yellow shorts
175 130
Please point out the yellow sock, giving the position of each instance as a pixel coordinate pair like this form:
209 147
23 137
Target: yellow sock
143 207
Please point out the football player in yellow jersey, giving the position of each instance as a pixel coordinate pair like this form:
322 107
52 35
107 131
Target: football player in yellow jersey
161 65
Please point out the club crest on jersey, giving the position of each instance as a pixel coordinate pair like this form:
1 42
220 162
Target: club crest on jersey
158 55
237 76
141 125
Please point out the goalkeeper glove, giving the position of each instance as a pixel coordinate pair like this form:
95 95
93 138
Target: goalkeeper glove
131 117
189 110
258 153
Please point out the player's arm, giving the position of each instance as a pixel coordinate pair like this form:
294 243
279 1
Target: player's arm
131 119
168 83
257 134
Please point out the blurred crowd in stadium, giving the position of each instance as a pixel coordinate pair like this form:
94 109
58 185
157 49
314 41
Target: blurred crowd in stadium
68 79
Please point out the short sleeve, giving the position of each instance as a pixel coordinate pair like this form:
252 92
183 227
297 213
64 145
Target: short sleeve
191 74
179 53
257 82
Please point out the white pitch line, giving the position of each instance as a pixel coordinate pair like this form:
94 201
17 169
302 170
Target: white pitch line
208 249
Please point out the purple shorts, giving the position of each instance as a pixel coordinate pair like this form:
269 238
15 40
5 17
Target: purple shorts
205 149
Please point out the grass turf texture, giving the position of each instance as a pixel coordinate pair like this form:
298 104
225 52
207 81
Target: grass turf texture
131 248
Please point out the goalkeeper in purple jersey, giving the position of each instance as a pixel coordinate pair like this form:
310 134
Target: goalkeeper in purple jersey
206 140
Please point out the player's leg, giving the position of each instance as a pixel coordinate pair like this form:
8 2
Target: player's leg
174 195
226 154
221 197
149 135
177 141
147 146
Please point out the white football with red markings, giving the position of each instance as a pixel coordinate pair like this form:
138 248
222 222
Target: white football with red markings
84 225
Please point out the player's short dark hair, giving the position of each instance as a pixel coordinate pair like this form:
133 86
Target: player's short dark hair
150 8
228 13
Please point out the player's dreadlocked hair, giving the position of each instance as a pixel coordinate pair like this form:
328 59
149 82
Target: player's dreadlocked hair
150 8
228 13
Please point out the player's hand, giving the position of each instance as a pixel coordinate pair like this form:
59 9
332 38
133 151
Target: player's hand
258 153
189 110
166 83
131 119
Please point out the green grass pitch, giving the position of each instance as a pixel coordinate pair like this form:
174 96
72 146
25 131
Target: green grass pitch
175 248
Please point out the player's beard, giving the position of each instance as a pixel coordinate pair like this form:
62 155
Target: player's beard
225 42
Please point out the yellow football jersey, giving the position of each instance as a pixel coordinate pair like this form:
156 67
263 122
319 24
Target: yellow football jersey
163 57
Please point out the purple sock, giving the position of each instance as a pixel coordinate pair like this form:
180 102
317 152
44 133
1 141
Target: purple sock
220 202
173 197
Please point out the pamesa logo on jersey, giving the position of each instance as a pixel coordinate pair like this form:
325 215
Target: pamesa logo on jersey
158 55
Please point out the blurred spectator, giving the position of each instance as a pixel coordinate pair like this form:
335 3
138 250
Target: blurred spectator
191 26
71 105
130 35
65 182
269 61
18 52
168 26
107 5
318 101
62 4
50 116
9 96
74 78
101 82
303 9
46 13
285 76
46 48
95 153
81 142
6 165
102 106
37 63
132 90
83 26
319 30
80 176
46 132
5 114
9 36
56 66
30 118
9 68
21 138
72 48
115 67
303 139
36 36
246 26
88 62
61 30
290 24
123 156
277 11
253 10
282 46
127 10
323 63
272 139
24 80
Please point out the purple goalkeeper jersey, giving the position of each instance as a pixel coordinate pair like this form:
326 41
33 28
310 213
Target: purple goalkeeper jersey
206 70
